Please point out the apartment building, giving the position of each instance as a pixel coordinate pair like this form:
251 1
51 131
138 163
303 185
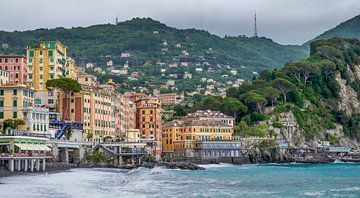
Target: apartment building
16 66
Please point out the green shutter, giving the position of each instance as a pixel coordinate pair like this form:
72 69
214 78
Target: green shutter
31 53
50 53
38 101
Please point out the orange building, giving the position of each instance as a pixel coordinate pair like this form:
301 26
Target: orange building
148 120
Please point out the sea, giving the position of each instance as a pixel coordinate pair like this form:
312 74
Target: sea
220 180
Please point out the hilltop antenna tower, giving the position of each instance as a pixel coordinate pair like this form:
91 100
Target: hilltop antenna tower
255 27
116 20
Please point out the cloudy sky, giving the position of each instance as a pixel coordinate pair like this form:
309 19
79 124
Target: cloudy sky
285 21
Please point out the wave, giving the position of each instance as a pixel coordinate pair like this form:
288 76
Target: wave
221 165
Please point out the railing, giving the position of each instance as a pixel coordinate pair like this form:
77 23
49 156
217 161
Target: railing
132 150
48 154
69 142
13 132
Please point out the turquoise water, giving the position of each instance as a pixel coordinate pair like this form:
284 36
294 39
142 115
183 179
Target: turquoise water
224 180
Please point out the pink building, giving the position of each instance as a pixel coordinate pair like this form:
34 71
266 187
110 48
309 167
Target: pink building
169 99
16 66
125 116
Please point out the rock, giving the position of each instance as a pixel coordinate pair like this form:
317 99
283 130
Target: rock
181 165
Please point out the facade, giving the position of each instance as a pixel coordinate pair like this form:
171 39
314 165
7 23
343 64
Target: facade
169 99
16 66
94 106
148 120
180 134
46 62
125 116
17 102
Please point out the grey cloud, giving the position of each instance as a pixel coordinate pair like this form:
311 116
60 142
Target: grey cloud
285 21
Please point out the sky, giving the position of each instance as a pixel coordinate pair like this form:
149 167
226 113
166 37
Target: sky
284 21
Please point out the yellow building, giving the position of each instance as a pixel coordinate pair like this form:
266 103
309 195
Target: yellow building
94 106
183 133
17 102
46 62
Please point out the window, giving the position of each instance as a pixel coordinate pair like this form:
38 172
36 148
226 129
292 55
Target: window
51 60
30 76
15 91
1 92
41 53
51 68
1 103
51 53
50 93
72 100
38 101
14 114
40 60
143 111
41 77
6 68
41 68
16 75
6 60
1 114
51 76
50 101
30 60
17 60
31 53
151 111
14 103
72 111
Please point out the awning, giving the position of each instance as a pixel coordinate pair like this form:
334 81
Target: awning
23 146
41 147
33 147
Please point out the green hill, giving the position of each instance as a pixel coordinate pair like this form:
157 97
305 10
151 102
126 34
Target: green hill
317 99
143 38
346 29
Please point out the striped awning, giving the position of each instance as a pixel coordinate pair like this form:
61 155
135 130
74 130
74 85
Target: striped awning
32 147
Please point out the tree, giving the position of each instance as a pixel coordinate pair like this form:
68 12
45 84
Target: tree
233 106
328 68
254 99
271 94
284 86
308 69
12 123
292 70
67 86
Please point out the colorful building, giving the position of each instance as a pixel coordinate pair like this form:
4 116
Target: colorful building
182 134
46 62
16 65
169 99
17 102
148 120
94 106
125 116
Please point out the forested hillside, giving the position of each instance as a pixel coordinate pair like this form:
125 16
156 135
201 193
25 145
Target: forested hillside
304 102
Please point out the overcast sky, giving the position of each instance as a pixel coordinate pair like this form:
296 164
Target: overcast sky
284 21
